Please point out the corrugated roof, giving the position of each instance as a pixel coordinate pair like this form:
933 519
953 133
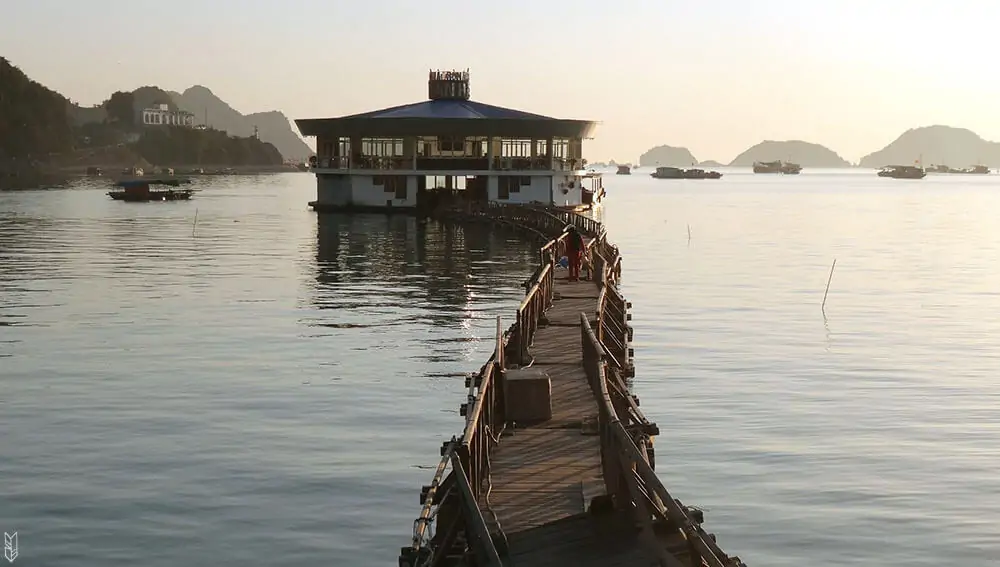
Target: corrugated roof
450 109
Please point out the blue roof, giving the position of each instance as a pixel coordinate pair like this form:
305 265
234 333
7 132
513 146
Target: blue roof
450 109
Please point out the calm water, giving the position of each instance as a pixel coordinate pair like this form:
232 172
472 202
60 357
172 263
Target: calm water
272 388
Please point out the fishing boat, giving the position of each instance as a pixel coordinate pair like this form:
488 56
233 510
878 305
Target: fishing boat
678 173
784 167
974 170
138 190
668 173
902 172
624 170
701 174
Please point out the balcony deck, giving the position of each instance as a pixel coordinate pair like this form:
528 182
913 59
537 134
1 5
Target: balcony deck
527 166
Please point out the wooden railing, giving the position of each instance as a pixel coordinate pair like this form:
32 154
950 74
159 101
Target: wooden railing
627 457
452 501
458 495
467 163
459 491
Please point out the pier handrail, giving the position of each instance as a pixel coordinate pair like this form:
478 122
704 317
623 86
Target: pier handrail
456 503
466 460
626 461
627 457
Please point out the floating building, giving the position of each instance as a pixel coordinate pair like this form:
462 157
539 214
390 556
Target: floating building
449 150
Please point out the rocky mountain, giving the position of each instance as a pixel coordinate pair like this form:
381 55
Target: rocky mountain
667 156
273 127
805 154
936 145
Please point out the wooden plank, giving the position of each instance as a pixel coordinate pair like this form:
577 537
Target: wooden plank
543 476
579 540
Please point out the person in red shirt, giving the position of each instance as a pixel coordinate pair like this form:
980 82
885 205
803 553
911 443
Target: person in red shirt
574 252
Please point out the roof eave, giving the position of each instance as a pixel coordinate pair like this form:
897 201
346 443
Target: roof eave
413 126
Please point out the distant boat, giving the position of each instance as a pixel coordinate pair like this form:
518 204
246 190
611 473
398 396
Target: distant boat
779 166
678 173
138 190
624 170
902 172
974 170
668 173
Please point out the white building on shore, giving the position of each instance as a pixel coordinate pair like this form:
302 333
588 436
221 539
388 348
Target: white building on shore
449 148
161 115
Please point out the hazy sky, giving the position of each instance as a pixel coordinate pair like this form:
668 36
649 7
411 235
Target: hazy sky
715 76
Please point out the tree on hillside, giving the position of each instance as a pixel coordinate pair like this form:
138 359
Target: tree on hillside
121 108
174 145
33 119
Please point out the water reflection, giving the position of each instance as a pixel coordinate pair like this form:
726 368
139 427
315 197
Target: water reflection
26 257
380 270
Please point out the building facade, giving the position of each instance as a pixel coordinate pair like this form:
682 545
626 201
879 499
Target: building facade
412 155
161 115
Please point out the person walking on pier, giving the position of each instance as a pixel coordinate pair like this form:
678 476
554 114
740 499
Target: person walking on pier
574 252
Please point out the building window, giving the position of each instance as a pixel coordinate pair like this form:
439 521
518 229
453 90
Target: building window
455 144
507 184
392 184
560 148
382 147
515 148
541 147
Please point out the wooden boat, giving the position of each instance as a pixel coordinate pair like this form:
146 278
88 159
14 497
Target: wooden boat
902 172
678 173
974 170
668 173
624 170
779 166
138 190
701 174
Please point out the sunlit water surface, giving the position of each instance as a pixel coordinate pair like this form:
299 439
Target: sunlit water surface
238 381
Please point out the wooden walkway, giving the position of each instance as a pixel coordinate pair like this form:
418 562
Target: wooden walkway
544 476
537 471
578 488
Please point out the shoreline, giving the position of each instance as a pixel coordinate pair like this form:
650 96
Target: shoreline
53 177
182 170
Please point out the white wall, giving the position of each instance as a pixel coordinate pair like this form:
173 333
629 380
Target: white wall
572 196
365 193
539 191
333 189
359 190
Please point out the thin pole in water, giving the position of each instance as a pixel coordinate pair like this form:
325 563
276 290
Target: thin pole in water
689 233
828 280
195 226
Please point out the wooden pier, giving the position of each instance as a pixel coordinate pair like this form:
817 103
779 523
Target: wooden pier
555 465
